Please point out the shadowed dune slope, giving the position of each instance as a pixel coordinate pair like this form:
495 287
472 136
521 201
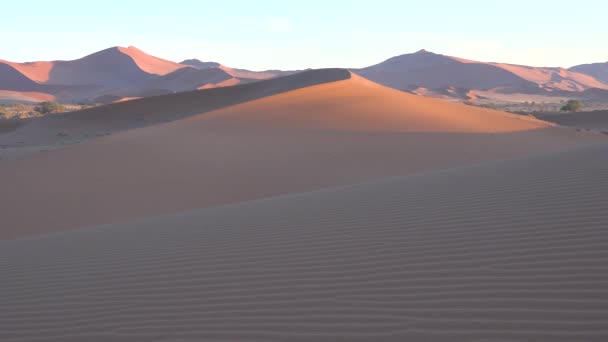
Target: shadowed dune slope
596 120
190 78
11 78
503 251
161 109
323 135
187 103
430 70
112 67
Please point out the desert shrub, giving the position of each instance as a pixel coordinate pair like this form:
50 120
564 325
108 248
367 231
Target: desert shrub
572 106
49 107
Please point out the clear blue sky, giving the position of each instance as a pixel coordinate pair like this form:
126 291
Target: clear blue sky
299 34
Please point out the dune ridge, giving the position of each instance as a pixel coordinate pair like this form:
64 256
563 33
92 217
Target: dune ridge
502 251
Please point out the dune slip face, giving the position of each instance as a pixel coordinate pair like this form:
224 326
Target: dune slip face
503 251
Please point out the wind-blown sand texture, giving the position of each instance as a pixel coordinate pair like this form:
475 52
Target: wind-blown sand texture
504 251
314 207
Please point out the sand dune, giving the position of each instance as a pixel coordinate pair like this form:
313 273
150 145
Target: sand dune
91 76
113 67
305 134
148 63
12 79
502 251
119 72
239 73
130 72
36 71
435 71
227 83
430 70
160 109
368 106
596 70
190 78
554 78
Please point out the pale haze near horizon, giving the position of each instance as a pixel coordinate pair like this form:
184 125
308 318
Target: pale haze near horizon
309 34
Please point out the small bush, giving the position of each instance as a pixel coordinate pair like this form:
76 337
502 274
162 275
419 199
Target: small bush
572 106
49 107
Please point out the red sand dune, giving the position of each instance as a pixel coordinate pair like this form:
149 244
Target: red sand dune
12 79
130 72
430 70
596 70
125 64
554 78
190 78
35 71
337 133
226 83
120 72
150 64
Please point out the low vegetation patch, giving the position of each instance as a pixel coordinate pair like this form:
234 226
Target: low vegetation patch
49 107
572 106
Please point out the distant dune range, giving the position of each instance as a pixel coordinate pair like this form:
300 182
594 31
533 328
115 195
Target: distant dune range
439 72
297 133
116 73
127 72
